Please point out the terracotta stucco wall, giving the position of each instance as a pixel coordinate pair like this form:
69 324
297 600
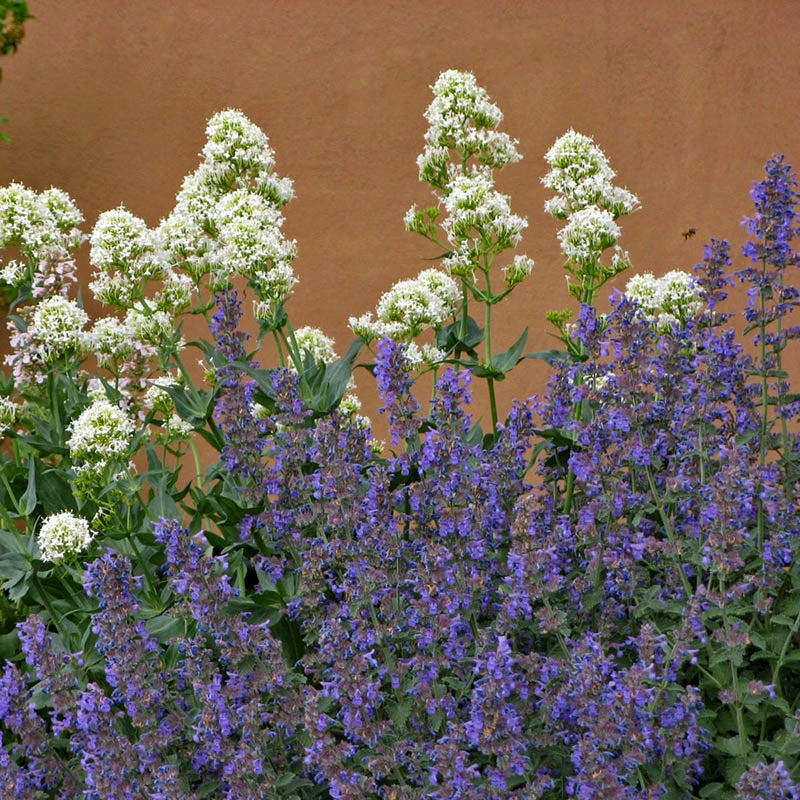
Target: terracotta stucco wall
109 100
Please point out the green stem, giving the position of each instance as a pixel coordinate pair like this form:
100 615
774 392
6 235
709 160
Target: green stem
464 309
782 655
744 742
54 617
279 347
487 317
147 574
667 526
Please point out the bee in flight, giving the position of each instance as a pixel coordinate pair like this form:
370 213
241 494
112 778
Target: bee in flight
689 232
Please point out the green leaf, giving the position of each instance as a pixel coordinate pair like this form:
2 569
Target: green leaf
29 499
54 490
715 791
323 385
506 361
450 337
9 645
164 627
15 571
731 746
13 542
209 788
192 405
550 356
400 712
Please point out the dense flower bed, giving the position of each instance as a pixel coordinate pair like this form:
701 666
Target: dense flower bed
596 597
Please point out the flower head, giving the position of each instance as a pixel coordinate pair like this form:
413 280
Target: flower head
57 326
587 234
671 299
410 307
125 254
38 223
462 118
8 413
101 433
476 210
517 270
321 347
581 176
63 535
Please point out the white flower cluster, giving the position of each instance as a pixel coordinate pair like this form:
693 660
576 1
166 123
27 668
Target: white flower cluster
101 434
462 118
126 254
8 413
55 330
319 344
63 535
517 270
477 211
581 176
58 324
410 307
462 148
158 399
227 218
587 233
14 273
587 199
670 300
37 223
421 356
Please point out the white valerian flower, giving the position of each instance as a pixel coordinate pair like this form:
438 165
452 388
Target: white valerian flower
366 327
111 340
125 254
321 346
517 270
157 398
176 292
273 287
249 235
227 219
476 210
57 326
38 223
122 241
13 273
670 300
426 301
410 307
581 176
425 356
177 429
65 214
462 117
63 535
587 234
102 433
238 151
151 327
8 413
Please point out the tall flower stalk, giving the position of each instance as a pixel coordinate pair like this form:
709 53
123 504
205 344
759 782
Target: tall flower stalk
463 148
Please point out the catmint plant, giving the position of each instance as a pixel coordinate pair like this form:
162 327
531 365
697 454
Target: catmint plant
771 298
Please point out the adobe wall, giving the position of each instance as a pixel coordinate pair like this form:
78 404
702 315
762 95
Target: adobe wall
109 100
